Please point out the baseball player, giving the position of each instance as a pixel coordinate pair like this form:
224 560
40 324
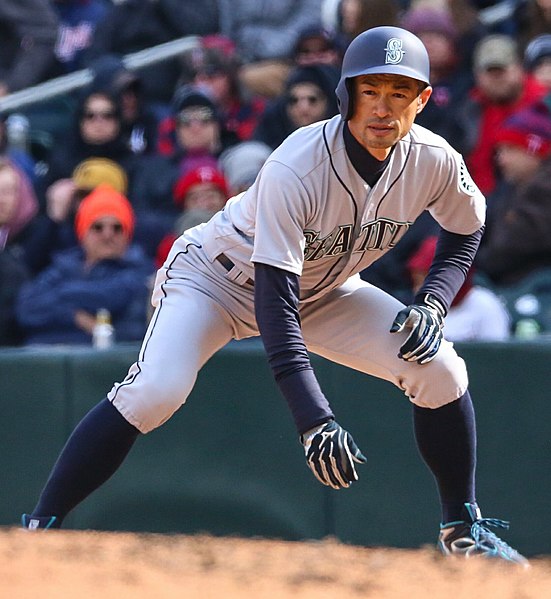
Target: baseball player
281 260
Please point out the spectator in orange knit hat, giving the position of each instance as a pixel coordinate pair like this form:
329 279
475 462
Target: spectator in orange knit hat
104 202
105 271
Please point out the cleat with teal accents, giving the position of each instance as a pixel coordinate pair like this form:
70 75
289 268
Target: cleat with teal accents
472 537
37 522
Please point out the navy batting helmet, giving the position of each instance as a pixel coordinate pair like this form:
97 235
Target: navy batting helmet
388 50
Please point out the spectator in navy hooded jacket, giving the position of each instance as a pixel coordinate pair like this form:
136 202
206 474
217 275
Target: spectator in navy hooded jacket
105 271
309 97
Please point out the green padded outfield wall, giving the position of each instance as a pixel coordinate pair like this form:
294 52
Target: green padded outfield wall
229 461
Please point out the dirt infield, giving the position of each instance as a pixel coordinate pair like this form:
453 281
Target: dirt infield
86 565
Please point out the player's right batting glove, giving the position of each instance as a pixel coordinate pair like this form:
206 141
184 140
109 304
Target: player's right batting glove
425 318
331 454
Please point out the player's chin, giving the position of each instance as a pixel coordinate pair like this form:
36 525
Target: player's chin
382 138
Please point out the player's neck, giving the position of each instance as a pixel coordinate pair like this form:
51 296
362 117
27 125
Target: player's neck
368 166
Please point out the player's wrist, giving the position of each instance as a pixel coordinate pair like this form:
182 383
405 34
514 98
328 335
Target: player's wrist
431 301
306 436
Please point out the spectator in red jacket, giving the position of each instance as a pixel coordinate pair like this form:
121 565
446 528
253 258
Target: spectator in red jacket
501 87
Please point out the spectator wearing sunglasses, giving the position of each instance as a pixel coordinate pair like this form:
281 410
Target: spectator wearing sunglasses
96 132
192 137
105 271
309 97
139 120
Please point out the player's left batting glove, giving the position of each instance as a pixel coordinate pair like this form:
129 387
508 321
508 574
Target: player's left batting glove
331 454
425 318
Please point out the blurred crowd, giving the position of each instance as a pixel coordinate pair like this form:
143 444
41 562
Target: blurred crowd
97 183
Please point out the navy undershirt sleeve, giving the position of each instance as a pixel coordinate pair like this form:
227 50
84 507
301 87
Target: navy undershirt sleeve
452 260
276 309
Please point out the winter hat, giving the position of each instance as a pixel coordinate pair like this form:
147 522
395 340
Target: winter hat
94 171
314 32
530 129
320 75
537 50
104 201
495 51
203 174
189 96
110 72
427 19
207 60
242 163
326 77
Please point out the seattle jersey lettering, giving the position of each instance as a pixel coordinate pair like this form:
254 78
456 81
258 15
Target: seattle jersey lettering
380 234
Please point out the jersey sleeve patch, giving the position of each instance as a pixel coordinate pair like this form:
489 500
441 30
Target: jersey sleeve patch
466 182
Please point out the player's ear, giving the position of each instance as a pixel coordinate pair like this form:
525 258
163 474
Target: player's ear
423 98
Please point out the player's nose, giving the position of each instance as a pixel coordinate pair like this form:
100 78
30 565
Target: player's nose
381 107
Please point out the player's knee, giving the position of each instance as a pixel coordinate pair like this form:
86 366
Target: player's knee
440 381
148 402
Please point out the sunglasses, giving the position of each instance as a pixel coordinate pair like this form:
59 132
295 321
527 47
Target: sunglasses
100 227
312 100
314 50
202 119
104 116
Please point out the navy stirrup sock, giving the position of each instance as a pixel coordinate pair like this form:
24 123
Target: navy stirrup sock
446 438
93 452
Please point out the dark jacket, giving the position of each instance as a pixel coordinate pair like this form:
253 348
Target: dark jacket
28 30
274 125
46 305
139 24
65 156
78 20
12 276
518 238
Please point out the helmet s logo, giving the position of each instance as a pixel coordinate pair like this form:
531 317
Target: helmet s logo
394 53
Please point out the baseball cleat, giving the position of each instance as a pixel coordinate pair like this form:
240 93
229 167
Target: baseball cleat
36 522
472 537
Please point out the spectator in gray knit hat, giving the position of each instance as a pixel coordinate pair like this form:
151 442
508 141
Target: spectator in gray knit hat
537 58
242 163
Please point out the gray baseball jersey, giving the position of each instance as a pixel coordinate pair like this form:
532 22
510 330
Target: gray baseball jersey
310 213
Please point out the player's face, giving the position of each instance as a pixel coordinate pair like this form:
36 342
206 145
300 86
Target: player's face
385 107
